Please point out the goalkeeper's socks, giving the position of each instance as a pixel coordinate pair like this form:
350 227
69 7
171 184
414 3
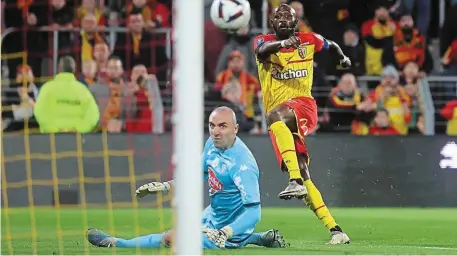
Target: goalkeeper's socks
286 145
147 241
256 239
316 203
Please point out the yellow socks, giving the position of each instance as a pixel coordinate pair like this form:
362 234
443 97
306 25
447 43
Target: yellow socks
286 145
316 203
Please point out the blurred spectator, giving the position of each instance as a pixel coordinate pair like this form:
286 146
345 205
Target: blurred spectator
448 35
155 14
420 126
90 7
449 111
303 25
19 101
64 104
363 118
355 50
449 59
244 43
160 13
89 37
342 103
140 7
19 15
139 47
423 13
215 40
230 97
410 73
148 103
391 96
409 45
101 55
248 84
378 35
410 76
382 124
89 72
62 16
113 99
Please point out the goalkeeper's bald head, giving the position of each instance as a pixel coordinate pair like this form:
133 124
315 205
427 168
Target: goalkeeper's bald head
223 127
226 111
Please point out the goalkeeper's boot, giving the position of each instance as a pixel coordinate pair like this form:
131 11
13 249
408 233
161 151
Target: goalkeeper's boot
99 238
293 190
273 239
338 236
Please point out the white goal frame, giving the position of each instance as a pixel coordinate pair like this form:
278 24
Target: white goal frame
188 27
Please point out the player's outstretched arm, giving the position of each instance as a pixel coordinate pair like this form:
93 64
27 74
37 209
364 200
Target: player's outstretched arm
344 60
265 49
154 187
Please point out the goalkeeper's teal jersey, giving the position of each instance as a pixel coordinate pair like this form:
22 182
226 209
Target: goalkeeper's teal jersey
233 179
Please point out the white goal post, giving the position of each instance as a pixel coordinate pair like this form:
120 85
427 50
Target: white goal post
188 27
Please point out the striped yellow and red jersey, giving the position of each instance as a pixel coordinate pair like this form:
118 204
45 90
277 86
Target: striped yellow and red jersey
288 73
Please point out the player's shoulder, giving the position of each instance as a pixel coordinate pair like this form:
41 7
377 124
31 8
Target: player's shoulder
262 38
268 37
239 145
309 36
243 154
208 144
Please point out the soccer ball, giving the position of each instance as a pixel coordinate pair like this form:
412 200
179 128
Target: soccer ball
230 15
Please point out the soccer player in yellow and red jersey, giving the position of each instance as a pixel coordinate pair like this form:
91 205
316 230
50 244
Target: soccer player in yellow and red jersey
285 67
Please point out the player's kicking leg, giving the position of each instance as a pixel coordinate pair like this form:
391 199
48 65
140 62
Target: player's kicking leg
270 239
300 117
283 140
316 203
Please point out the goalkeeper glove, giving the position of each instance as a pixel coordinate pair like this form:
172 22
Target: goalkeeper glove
152 188
219 237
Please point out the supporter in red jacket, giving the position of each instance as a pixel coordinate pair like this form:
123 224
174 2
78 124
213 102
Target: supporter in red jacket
382 124
449 111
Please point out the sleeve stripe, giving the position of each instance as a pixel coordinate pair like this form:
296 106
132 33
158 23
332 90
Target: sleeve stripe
252 204
325 45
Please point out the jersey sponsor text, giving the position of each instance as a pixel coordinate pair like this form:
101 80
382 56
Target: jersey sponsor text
288 74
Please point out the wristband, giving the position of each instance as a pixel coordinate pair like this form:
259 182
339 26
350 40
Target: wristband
283 42
228 231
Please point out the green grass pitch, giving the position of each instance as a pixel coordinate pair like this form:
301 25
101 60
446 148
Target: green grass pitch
372 230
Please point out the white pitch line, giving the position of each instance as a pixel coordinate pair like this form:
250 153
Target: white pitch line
427 247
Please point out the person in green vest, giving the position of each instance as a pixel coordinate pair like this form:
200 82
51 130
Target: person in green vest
64 104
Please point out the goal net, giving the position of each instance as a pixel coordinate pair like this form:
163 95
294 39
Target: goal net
56 187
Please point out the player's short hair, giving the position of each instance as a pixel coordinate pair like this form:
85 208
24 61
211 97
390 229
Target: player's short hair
67 64
136 11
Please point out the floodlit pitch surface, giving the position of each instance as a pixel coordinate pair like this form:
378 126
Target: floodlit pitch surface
372 230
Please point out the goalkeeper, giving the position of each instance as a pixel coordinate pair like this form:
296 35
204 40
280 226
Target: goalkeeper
233 178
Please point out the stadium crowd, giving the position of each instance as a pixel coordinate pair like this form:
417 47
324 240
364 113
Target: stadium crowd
123 53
